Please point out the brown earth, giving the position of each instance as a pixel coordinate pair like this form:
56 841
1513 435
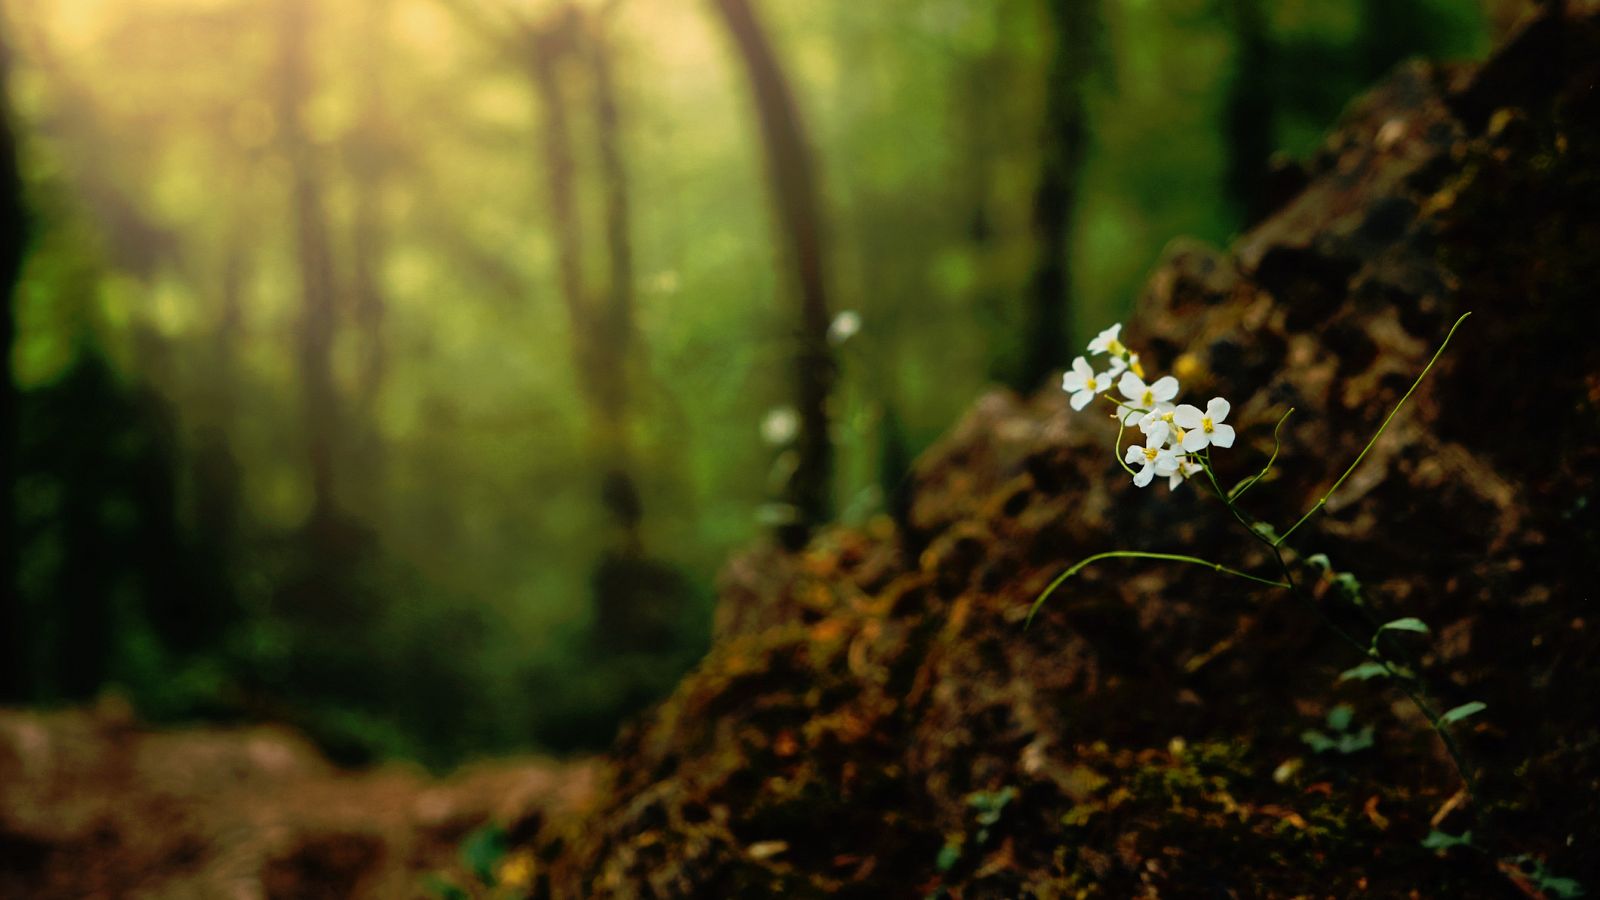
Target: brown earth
92 805
874 719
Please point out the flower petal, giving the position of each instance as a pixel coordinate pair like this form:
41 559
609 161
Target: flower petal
1143 476
1222 435
1165 388
1194 440
1158 434
1082 367
1134 454
1131 386
1187 417
1081 399
1218 410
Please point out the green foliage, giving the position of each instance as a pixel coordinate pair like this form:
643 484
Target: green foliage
1408 623
1364 672
482 851
1545 881
1453 716
1340 738
1439 840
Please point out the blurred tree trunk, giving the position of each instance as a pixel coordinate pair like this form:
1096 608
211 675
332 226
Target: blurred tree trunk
370 160
1250 111
1063 150
13 236
318 290
796 199
602 320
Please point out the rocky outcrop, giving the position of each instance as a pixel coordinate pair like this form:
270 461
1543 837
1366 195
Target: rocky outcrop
874 719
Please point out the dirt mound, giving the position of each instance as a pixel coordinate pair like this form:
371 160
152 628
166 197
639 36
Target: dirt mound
875 721
93 806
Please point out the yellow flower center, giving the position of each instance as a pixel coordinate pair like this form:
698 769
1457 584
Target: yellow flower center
1116 348
1136 367
1177 434
1148 401
1150 453
1205 424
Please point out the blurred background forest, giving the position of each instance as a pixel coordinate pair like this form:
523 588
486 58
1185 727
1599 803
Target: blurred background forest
403 369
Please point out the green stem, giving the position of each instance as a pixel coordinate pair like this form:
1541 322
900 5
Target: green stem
1400 680
1140 554
1248 483
1364 450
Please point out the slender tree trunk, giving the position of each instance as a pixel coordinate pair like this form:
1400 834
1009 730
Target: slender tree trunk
318 290
369 168
602 320
1063 151
616 334
796 199
1250 114
13 236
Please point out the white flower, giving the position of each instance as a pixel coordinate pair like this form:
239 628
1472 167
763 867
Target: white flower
780 426
1162 415
1204 429
1082 383
1186 468
1145 398
1108 342
844 326
1153 458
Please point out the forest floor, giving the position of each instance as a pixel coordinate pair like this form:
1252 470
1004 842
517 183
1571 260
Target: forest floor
93 805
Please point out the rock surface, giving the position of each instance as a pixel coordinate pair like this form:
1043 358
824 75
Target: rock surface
875 721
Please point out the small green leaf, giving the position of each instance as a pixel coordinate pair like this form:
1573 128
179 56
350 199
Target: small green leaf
1352 743
949 855
1409 623
1462 711
1565 888
1265 530
1438 840
1339 717
1317 741
482 851
1320 561
1349 587
1364 672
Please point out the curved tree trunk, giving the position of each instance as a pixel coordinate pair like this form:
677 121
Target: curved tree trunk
796 199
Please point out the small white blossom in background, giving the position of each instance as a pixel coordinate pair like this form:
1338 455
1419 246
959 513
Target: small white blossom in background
844 327
1083 384
1109 341
1204 429
780 426
1171 431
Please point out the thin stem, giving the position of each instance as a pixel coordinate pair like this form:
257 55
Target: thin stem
1121 428
1140 554
1277 444
1399 678
1364 450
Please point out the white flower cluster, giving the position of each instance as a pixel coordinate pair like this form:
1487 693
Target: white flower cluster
1171 432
